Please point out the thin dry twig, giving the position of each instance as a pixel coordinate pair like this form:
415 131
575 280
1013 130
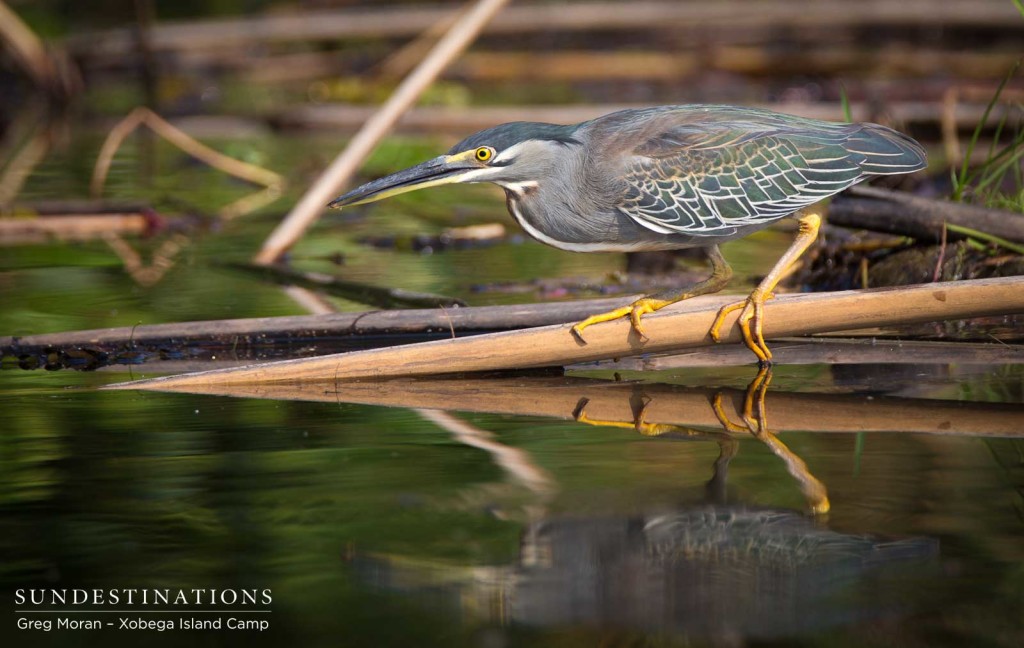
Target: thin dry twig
273 183
347 163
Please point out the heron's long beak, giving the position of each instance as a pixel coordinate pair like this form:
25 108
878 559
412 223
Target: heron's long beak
445 169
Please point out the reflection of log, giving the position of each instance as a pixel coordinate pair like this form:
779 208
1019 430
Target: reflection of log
465 120
669 404
683 326
896 212
405 20
43 229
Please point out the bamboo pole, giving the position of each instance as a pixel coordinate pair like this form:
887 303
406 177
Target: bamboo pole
347 163
669 329
819 350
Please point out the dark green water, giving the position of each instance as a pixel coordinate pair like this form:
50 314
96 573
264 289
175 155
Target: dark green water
374 525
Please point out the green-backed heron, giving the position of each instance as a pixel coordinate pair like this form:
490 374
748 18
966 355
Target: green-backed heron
666 178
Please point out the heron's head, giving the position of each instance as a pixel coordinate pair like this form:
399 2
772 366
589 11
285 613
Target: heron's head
510 154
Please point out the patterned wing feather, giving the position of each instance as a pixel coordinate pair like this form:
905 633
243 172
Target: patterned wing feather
709 178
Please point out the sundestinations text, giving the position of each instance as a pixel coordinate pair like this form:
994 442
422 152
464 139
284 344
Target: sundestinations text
141 596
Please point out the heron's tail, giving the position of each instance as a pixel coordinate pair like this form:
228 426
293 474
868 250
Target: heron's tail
885 151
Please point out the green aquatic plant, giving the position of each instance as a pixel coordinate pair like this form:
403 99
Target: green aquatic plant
985 181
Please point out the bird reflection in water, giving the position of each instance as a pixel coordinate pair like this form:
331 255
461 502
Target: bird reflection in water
725 573
755 421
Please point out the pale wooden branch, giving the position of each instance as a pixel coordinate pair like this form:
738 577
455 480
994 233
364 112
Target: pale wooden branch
27 48
347 163
818 350
272 182
674 328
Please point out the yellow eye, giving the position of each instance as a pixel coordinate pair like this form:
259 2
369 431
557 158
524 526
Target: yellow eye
484 153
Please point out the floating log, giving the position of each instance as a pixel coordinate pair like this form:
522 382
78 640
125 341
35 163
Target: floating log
681 326
559 397
897 212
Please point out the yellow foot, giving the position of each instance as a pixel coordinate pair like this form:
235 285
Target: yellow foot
752 315
755 418
634 311
638 423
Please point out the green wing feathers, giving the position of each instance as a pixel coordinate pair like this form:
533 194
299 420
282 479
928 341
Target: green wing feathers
885 151
707 175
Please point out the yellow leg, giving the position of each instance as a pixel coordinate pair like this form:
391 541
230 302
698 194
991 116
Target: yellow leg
753 306
720 275
638 423
756 419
